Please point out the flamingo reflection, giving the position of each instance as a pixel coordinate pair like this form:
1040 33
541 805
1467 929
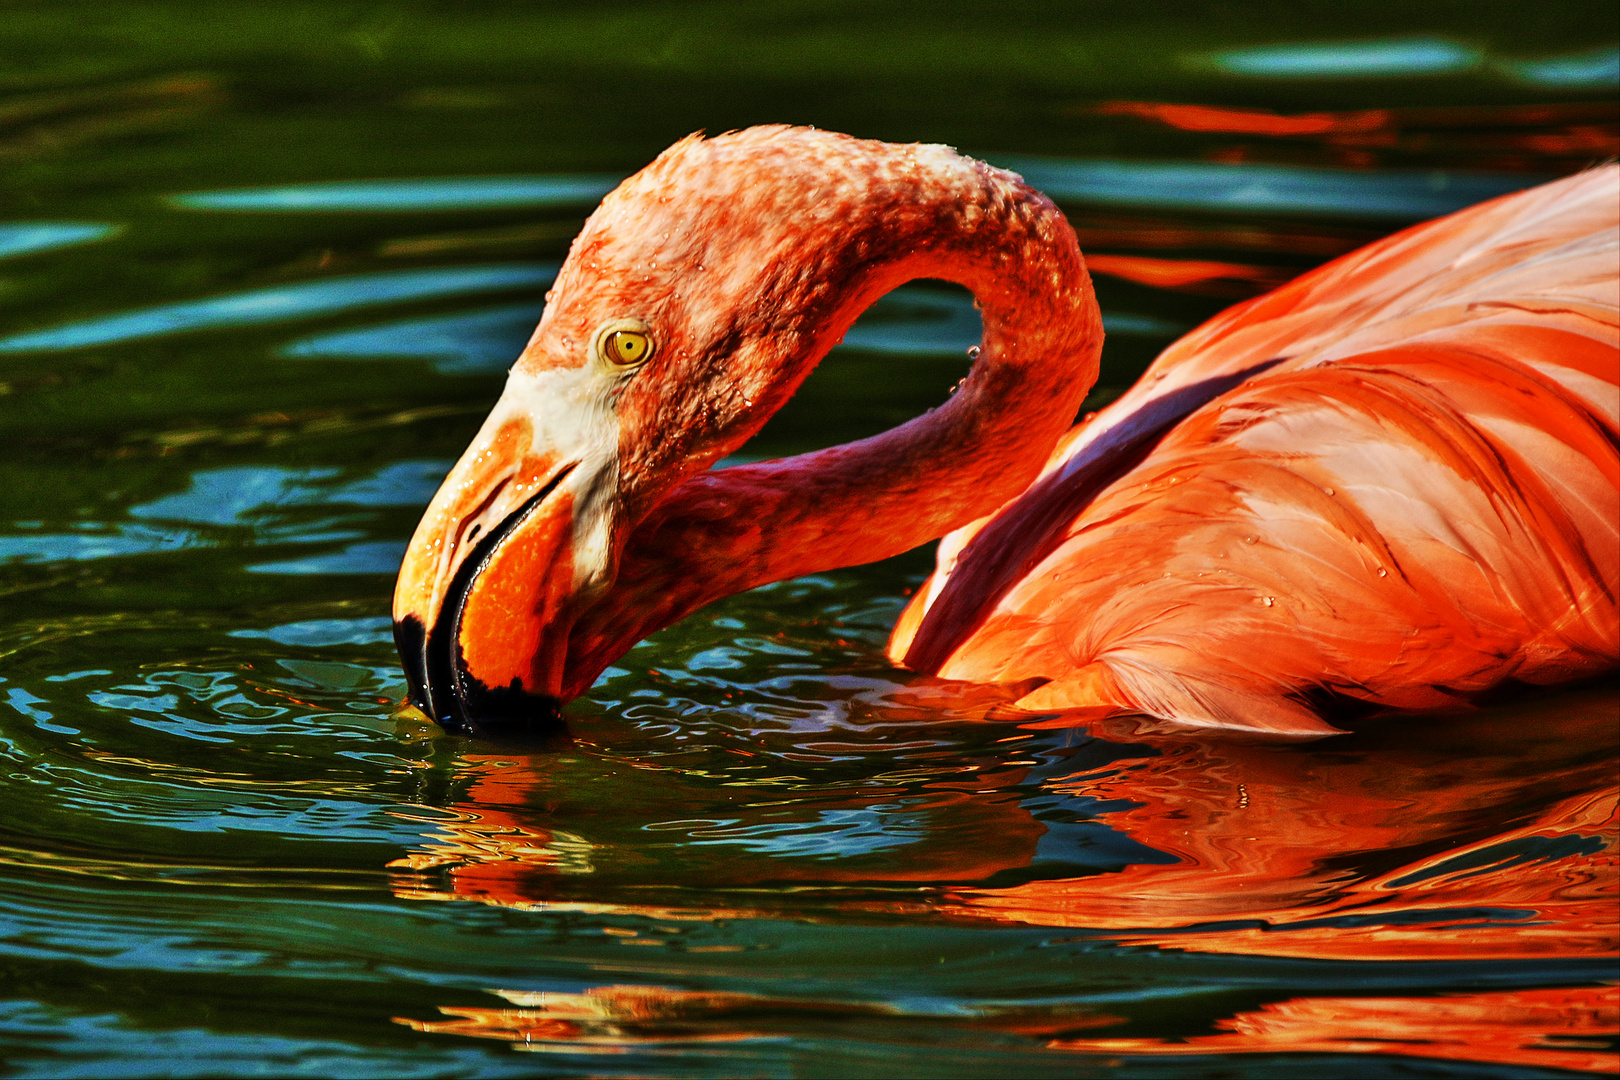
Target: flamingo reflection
1490 837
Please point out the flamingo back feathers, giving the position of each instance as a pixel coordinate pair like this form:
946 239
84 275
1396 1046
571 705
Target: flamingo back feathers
1413 503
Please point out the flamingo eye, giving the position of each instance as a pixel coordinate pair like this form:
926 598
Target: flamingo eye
620 345
626 348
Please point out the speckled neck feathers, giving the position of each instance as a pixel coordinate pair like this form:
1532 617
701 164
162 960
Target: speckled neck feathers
753 253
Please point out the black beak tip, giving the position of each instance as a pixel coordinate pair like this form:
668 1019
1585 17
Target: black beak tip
509 712
466 706
411 641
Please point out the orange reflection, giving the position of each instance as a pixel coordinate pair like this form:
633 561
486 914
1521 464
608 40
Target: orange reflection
1566 910
610 1016
1247 121
1191 275
621 1017
1394 852
1556 137
1484 837
501 847
1552 1029
1559 1028
492 843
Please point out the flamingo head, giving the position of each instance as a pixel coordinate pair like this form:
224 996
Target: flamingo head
695 300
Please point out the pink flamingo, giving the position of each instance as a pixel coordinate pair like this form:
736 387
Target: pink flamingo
1389 484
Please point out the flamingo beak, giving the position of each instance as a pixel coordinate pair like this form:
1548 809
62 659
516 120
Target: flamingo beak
489 590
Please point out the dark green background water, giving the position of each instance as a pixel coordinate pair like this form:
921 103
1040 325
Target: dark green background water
221 853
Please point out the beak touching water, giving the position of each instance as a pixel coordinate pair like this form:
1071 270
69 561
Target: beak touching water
508 551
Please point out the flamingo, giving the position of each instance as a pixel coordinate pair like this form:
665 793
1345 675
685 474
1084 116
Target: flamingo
1389 485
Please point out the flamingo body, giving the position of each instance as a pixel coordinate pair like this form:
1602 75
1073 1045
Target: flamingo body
1389 484
1415 503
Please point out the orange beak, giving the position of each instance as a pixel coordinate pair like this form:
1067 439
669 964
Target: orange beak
490 587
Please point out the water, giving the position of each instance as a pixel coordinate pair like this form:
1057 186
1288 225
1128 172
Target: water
261 268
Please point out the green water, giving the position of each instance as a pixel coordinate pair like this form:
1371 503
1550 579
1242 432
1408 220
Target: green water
762 851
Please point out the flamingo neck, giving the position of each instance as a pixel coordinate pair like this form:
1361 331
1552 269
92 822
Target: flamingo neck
727 531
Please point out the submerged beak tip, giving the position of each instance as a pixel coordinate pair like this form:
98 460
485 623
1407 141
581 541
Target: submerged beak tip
461 703
508 711
469 649
410 639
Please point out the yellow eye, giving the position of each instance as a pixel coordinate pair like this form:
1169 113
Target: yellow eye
626 348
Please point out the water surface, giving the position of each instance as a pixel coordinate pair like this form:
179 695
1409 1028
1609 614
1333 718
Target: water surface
262 268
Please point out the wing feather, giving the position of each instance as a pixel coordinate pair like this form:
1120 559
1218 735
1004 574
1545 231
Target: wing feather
1409 497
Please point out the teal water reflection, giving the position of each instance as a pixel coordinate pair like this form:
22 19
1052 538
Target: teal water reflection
1595 70
760 850
436 193
1351 59
1265 189
280 304
463 343
25 238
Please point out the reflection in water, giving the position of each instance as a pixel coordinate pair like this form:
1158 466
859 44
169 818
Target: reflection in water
282 303
460 344
1551 1029
39 126
1351 59
1191 275
256 495
254 505
1555 1029
92 544
917 321
435 193
1598 69
27 237
624 1016
1265 189
1548 138
370 557
922 321
315 633
1373 855
1595 70
1462 840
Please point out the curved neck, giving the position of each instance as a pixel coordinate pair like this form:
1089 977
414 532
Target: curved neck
727 531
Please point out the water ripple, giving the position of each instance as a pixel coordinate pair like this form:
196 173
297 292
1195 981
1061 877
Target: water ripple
27 237
1351 59
1265 189
282 303
393 196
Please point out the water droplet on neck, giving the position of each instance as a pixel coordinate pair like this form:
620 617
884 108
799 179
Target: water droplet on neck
973 352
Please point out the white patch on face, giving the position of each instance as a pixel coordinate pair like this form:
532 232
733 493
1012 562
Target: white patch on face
573 418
